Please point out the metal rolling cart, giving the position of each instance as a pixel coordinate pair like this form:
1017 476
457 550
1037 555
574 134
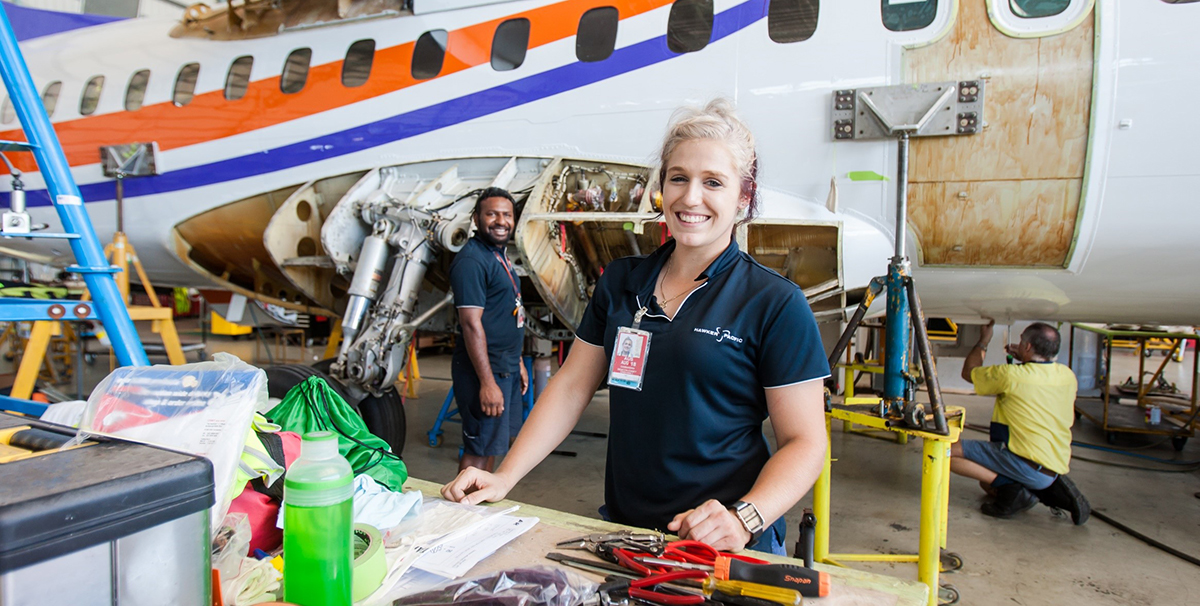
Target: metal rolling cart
1179 412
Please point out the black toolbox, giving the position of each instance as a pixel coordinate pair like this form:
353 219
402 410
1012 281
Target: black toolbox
105 522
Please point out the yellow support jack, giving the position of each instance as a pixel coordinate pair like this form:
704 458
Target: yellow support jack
412 374
35 353
335 340
47 354
935 498
122 254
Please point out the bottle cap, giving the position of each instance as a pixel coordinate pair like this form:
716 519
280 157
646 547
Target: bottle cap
319 445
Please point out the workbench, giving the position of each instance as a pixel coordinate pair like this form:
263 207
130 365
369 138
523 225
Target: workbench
1179 412
850 587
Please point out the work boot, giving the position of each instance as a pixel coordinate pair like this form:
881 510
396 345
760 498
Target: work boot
1063 494
1011 499
991 492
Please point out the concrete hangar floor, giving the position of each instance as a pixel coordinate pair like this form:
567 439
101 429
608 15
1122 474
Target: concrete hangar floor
1035 558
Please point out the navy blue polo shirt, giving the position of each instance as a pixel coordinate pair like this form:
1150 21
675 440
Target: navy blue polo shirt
694 431
479 278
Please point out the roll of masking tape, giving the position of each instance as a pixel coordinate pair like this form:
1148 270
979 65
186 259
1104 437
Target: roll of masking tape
370 566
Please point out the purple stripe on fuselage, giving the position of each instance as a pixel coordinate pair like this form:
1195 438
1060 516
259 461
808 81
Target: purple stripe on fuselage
417 122
30 23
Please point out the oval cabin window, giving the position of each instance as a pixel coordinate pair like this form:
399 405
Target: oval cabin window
429 53
135 93
357 66
91 95
295 71
50 97
185 84
689 26
792 20
237 81
510 44
908 15
597 34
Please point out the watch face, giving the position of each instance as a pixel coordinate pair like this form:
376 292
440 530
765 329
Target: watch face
749 516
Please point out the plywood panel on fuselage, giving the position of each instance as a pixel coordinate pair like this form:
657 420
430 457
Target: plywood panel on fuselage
1025 223
1025 170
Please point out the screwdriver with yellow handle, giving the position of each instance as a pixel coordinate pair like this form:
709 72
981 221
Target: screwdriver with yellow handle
714 588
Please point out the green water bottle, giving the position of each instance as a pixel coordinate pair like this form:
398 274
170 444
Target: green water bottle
318 520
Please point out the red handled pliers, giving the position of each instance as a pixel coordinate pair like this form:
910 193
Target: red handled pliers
642 589
687 552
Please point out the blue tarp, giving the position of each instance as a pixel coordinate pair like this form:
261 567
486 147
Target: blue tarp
33 23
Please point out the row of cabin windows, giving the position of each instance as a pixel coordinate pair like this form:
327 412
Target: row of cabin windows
689 29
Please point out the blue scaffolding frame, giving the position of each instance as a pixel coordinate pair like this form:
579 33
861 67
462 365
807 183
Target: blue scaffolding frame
67 201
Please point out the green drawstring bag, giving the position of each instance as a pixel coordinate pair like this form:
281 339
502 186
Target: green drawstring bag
313 406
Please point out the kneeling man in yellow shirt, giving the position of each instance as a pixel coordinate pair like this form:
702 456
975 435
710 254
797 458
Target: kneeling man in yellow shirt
1029 454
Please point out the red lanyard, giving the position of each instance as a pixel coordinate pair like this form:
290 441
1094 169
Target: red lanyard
508 271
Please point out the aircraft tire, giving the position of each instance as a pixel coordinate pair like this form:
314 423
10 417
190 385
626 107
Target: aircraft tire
384 416
283 377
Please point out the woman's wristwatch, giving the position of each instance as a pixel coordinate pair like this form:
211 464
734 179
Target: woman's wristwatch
751 519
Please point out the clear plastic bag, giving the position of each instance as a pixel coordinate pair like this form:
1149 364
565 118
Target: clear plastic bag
533 586
230 544
438 518
203 409
244 580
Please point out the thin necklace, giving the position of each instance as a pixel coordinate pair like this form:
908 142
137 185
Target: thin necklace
663 281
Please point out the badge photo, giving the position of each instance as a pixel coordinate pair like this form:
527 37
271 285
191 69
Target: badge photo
628 365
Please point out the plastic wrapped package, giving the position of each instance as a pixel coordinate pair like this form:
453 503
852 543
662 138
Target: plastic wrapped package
230 544
202 409
537 585
438 518
244 580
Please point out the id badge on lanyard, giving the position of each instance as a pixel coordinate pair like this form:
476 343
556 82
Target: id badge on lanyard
630 351
519 308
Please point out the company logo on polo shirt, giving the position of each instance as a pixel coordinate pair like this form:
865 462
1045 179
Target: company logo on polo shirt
721 334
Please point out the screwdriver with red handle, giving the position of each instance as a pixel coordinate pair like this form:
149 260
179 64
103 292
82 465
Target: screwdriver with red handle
809 582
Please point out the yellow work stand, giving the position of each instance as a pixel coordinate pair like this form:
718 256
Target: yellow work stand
935 497
873 367
39 340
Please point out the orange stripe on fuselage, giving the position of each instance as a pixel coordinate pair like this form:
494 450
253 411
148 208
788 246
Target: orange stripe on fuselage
210 116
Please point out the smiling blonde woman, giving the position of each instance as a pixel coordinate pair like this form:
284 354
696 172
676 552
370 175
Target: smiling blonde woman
723 344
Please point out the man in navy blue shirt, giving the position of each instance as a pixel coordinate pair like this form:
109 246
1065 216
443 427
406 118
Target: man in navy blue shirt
487 371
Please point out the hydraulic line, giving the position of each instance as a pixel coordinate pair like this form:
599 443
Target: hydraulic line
1191 559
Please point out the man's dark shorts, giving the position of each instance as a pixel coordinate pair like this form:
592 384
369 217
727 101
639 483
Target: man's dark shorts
996 457
484 436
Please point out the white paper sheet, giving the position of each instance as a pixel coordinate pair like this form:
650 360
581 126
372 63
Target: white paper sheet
454 557
440 522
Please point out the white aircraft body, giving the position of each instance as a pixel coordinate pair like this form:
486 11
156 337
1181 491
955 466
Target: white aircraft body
1072 202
